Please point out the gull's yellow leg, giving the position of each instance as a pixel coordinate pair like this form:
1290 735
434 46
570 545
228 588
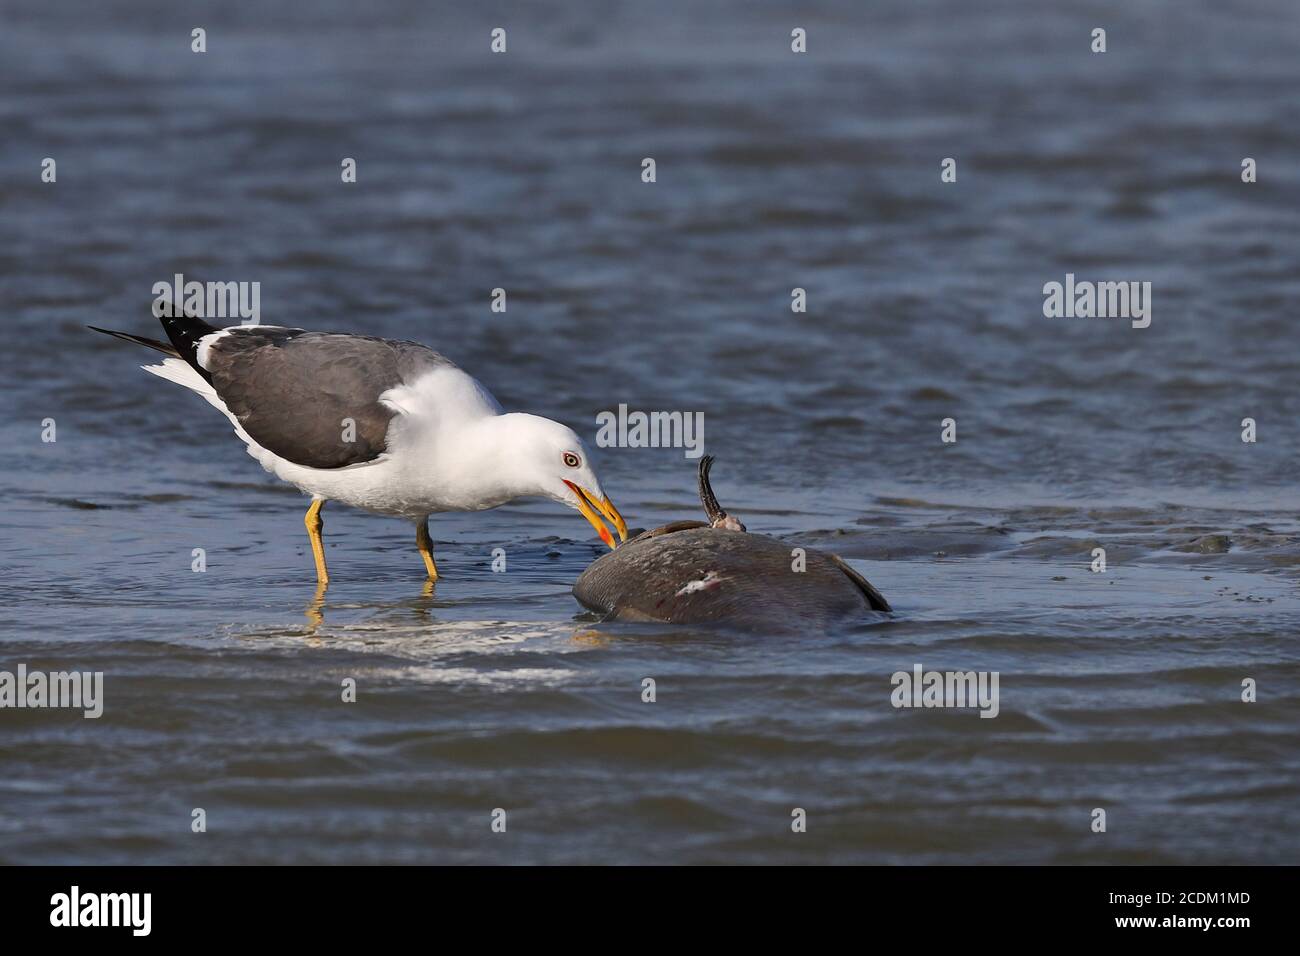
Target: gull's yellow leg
314 523
423 542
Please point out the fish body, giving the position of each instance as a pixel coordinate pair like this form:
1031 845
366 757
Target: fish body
692 572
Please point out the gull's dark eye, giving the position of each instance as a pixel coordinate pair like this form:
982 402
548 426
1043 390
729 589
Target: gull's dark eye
572 460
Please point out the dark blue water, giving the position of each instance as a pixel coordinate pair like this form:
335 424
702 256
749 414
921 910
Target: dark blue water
1119 690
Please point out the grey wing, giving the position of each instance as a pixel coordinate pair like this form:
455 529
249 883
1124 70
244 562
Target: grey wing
312 398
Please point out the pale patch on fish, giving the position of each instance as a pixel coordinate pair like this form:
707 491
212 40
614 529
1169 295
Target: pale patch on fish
710 581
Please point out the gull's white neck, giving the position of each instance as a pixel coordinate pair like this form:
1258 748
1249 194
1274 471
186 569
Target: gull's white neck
476 463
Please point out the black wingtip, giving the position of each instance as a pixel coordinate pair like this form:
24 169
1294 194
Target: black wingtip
138 340
184 332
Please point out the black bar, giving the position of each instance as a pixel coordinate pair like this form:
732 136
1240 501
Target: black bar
332 905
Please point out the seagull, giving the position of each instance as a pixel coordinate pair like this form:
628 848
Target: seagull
388 426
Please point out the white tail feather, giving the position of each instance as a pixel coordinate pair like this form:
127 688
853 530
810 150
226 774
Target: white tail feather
175 370
179 371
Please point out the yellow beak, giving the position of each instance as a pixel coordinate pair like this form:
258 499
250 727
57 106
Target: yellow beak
592 508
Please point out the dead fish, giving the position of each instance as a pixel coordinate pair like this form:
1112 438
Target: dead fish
716 572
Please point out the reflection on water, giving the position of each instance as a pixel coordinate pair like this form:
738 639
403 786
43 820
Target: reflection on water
315 609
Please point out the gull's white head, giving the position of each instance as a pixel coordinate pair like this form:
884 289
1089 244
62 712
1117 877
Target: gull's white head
553 461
